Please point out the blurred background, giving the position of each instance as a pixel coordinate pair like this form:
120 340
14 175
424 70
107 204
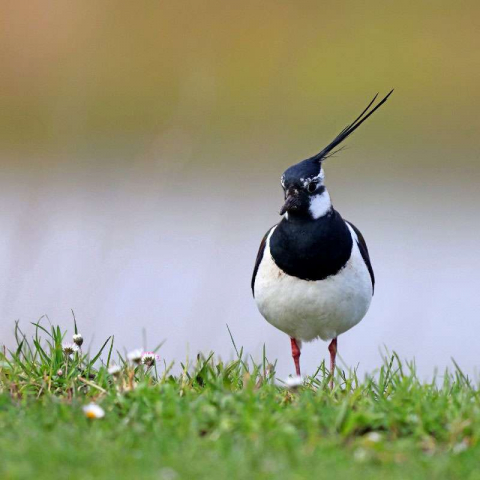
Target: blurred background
141 147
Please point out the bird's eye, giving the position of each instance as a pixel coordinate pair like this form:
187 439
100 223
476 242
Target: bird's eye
311 187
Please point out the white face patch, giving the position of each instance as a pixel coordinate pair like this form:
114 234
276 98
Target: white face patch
282 180
320 205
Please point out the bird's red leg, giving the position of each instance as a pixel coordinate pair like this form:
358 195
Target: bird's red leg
332 348
296 354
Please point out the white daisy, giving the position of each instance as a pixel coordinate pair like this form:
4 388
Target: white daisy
69 348
373 437
114 369
167 473
149 358
360 455
460 447
78 339
135 356
93 411
294 382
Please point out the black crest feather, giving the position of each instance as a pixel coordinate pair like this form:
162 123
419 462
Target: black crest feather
349 129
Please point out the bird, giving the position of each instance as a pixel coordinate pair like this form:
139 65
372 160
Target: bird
313 277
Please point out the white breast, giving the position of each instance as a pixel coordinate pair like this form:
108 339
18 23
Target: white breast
306 309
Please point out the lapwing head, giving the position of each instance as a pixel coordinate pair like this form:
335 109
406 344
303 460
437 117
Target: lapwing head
303 183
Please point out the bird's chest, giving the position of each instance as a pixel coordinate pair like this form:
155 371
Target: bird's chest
312 250
307 309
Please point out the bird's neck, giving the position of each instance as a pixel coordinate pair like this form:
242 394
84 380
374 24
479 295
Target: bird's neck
320 205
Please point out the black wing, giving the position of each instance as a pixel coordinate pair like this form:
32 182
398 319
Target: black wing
362 245
259 258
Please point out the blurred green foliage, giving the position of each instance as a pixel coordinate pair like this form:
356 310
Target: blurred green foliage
78 75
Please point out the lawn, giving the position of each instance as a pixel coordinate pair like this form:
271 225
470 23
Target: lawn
230 420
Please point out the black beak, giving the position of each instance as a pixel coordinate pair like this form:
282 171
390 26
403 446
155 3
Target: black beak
292 202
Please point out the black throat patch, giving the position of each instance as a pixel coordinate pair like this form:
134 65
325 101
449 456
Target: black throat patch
312 249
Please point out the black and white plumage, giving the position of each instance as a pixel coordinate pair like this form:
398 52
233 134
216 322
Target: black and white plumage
313 277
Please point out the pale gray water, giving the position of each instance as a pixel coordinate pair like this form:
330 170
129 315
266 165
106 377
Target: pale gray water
170 246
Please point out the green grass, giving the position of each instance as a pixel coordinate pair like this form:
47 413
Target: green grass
228 420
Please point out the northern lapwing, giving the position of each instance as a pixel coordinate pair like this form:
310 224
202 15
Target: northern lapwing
313 276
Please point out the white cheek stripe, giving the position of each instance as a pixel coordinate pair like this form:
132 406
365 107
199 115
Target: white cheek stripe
320 205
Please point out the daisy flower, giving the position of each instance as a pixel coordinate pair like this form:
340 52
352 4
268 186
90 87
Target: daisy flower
135 356
294 382
149 358
69 348
373 437
114 370
78 339
93 411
